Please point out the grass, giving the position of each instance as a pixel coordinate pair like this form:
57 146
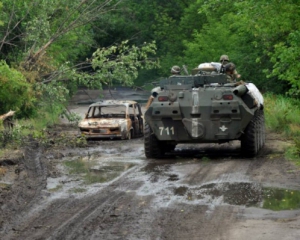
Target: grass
282 116
41 129
23 128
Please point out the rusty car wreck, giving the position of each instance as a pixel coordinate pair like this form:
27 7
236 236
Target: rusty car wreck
113 119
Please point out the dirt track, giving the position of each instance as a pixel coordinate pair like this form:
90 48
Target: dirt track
197 192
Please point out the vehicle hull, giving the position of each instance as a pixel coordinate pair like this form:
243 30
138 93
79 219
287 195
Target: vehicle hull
203 109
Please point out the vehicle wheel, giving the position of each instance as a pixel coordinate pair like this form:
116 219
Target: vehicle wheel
263 127
250 138
152 146
261 132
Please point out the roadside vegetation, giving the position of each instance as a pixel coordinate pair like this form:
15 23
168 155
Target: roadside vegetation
50 49
282 116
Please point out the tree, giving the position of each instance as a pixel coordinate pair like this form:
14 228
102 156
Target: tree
44 39
15 93
287 62
1 23
120 63
35 26
255 37
273 26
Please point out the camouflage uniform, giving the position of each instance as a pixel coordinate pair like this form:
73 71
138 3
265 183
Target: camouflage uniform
232 74
231 78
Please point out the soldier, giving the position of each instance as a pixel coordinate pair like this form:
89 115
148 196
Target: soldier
230 71
233 74
175 71
224 59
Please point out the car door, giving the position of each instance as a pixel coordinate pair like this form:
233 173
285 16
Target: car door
140 118
134 119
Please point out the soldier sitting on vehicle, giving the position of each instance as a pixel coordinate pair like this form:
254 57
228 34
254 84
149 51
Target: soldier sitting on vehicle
230 71
224 60
175 71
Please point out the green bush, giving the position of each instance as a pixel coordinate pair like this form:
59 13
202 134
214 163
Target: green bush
15 93
282 115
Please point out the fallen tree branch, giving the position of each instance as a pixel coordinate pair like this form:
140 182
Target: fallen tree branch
6 115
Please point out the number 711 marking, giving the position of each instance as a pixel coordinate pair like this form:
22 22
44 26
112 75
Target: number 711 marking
166 130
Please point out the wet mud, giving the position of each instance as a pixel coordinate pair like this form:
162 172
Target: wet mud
109 190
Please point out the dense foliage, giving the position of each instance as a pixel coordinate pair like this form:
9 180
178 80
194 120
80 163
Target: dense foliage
15 92
95 43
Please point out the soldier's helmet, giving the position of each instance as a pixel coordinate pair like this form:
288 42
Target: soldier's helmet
229 67
224 58
175 70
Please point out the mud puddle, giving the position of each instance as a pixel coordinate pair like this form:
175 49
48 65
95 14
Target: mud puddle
163 179
95 172
281 199
243 194
88 174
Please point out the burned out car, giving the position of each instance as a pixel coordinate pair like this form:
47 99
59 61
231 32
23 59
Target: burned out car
113 119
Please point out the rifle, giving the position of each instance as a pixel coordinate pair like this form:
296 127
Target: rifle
185 70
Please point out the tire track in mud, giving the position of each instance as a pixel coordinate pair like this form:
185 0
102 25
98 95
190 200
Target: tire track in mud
82 218
63 217
94 212
31 180
180 218
179 197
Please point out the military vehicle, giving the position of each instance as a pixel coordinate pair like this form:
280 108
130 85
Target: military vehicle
203 108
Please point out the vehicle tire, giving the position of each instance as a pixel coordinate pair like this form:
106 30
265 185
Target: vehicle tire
153 147
263 133
250 138
259 130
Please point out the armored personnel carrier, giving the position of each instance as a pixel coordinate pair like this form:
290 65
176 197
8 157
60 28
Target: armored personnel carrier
203 108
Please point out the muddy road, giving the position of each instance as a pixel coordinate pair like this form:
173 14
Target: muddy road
109 190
